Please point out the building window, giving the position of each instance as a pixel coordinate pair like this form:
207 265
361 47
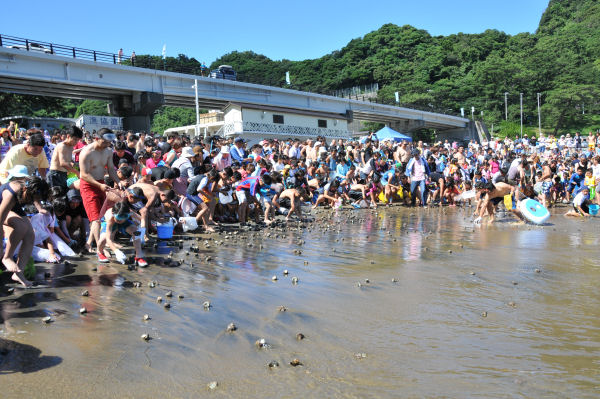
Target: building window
278 119
322 123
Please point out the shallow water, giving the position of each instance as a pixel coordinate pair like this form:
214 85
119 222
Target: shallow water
422 336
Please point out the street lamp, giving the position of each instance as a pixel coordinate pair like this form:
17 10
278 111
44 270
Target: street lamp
197 127
539 115
505 105
521 95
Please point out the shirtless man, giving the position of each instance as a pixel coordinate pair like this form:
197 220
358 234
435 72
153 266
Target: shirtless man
290 198
151 192
62 156
494 194
95 159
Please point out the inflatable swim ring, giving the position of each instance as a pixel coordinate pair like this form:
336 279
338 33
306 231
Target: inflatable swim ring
534 211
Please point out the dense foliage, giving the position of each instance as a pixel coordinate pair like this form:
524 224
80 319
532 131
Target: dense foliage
561 60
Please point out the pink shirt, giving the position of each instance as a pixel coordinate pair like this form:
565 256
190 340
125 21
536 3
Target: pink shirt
418 171
150 163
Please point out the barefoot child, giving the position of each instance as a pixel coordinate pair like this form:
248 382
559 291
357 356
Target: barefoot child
119 218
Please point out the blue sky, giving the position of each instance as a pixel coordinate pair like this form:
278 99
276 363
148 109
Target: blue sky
293 30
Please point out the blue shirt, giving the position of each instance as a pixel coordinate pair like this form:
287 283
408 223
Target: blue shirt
237 154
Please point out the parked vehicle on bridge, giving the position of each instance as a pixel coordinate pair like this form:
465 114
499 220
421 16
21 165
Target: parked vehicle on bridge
32 47
224 72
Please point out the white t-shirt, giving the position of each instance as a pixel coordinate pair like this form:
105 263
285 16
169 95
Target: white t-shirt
579 199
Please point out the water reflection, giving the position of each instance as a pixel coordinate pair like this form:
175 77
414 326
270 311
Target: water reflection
507 310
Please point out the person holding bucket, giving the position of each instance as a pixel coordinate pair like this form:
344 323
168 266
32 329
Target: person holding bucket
121 219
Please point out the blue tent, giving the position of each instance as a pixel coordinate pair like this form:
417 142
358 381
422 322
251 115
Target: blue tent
390 134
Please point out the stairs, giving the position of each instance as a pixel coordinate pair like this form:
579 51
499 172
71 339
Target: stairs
482 132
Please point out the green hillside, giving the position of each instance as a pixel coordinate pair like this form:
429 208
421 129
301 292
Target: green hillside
561 60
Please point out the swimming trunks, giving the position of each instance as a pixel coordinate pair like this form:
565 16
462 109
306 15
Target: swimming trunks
93 199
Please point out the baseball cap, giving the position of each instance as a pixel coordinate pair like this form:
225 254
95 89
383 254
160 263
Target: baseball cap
73 195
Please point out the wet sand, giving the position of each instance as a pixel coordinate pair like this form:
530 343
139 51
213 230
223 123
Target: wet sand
449 310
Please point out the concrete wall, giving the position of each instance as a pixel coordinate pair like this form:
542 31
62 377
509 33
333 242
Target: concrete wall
233 114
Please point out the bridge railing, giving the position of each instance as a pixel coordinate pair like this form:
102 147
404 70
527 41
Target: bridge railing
173 65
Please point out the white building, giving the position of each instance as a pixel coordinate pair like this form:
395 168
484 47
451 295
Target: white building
255 124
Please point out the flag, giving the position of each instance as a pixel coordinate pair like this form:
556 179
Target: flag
462 112
164 51
287 77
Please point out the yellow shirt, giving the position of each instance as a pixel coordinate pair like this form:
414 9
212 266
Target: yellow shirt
18 156
590 181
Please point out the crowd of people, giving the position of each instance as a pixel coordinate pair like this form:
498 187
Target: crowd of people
70 191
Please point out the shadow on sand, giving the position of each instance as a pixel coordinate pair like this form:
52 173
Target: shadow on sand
21 358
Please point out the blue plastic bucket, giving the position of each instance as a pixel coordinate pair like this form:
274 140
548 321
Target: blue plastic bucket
593 209
164 231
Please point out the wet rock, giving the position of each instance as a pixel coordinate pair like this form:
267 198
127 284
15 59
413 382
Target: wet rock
372 262
449 251
514 283
85 293
208 258
295 362
295 280
358 285
394 280
274 278
538 271
285 272
11 290
472 273
300 336
180 296
360 355
82 310
484 314
273 364
151 284
305 262
137 284
206 305
169 294
145 337
159 299
512 304
213 385
47 320
167 305
367 281
282 308
146 317
260 343
231 327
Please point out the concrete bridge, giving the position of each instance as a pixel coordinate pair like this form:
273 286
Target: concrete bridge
135 93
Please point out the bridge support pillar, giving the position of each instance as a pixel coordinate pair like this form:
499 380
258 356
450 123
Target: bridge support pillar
461 134
137 110
406 126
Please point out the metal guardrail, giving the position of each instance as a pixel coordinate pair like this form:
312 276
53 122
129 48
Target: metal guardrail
143 61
